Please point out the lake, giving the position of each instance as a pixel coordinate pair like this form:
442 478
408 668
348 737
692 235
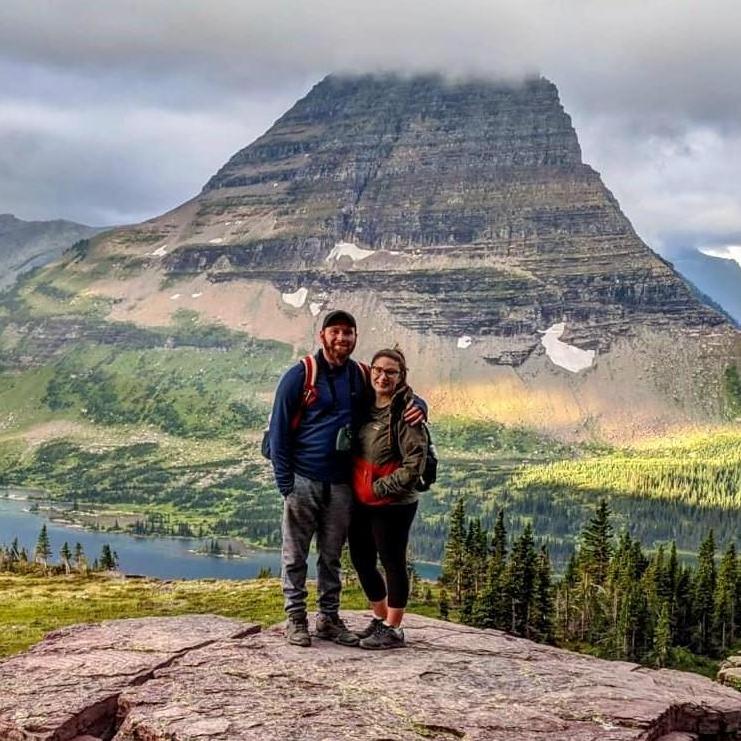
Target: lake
164 558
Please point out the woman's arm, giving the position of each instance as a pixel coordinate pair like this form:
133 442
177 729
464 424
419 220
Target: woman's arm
413 448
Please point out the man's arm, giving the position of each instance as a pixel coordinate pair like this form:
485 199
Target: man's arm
416 411
286 405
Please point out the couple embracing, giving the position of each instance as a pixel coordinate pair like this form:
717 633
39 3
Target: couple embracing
348 450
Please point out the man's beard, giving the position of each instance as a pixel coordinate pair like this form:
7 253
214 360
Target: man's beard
337 355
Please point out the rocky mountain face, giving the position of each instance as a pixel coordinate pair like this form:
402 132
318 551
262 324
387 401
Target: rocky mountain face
458 219
25 245
211 678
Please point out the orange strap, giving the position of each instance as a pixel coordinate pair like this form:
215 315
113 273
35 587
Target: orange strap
309 395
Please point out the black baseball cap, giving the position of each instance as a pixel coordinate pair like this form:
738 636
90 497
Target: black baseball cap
339 317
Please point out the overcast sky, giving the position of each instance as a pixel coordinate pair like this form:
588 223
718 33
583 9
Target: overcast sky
112 112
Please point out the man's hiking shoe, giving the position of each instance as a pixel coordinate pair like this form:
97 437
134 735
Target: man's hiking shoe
369 629
297 631
332 628
384 637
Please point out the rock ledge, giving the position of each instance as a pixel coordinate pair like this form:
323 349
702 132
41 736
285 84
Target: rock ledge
210 678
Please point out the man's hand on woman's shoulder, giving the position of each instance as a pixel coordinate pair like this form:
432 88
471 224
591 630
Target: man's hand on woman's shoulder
416 411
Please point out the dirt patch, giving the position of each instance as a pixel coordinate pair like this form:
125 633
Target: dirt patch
43 433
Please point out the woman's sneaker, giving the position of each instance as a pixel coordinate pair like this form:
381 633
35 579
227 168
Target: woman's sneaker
383 638
333 628
369 629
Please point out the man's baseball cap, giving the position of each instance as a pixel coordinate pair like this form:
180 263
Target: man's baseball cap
339 317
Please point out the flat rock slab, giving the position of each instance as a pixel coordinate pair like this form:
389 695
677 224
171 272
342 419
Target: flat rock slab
452 682
68 685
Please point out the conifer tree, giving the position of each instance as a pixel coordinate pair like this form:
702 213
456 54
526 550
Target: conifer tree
521 571
454 557
683 612
79 557
107 560
492 606
596 543
662 636
42 552
15 551
65 555
469 574
724 601
566 609
672 580
703 593
543 599
444 605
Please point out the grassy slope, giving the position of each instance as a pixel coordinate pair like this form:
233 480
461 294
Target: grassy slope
167 421
35 605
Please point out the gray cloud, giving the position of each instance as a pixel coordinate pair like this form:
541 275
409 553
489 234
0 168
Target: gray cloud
119 110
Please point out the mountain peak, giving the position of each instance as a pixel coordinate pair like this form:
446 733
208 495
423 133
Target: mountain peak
355 129
458 218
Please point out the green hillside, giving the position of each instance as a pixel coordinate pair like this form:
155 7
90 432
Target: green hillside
160 427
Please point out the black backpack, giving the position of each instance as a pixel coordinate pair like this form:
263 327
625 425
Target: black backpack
429 473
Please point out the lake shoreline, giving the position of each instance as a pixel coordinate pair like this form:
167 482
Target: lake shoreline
50 508
151 554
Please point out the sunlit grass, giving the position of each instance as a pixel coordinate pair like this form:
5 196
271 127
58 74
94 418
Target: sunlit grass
31 606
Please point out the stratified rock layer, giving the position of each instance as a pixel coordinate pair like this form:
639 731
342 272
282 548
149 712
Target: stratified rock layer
451 682
455 219
479 214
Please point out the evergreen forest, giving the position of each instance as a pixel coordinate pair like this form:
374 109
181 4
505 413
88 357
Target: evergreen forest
615 599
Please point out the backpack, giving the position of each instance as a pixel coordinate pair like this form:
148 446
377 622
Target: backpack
309 395
429 473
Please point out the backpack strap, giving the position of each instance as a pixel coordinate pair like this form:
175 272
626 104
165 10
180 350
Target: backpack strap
309 393
365 372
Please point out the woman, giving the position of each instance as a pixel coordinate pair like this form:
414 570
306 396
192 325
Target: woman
389 460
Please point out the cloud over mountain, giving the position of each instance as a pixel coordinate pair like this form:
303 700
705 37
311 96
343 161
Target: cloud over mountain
117 111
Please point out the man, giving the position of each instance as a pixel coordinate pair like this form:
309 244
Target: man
310 451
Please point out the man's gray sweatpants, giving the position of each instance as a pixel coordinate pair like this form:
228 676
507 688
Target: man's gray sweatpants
314 507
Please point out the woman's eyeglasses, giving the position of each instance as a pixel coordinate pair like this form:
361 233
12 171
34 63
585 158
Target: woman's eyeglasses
390 374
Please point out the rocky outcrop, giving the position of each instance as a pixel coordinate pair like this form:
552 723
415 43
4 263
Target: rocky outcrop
730 672
69 684
203 677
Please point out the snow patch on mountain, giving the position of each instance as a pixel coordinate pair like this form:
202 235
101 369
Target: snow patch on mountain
566 356
297 298
348 249
464 342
